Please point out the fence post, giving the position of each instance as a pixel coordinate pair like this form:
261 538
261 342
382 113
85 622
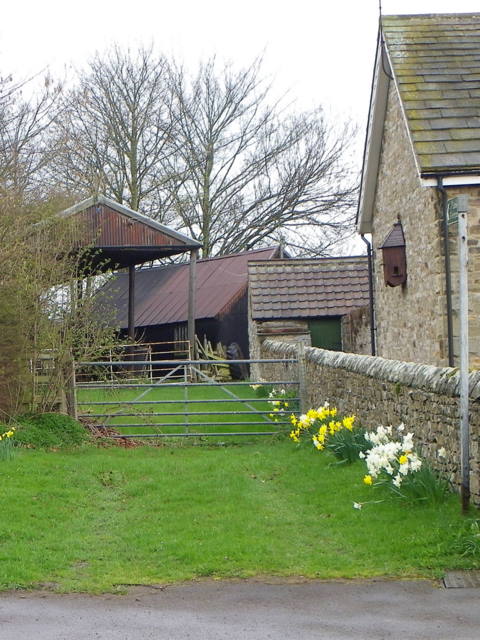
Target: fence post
71 393
185 398
301 369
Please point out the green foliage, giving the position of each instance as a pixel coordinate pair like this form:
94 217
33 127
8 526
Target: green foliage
262 389
425 486
346 444
7 450
467 540
50 430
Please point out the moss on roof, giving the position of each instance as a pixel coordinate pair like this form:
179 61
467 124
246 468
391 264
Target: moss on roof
436 63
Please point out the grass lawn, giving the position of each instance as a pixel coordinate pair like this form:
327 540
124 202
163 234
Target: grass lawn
170 399
99 519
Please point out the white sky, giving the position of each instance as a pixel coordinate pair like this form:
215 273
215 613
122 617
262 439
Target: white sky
320 51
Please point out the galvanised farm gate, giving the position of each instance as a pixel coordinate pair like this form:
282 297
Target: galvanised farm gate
187 399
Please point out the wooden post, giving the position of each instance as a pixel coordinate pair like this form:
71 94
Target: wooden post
71 392
131 302
192 284
302 387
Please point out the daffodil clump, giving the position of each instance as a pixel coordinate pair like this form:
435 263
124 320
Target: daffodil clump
279 401
393 462
390 458
319 424
282 402
6 444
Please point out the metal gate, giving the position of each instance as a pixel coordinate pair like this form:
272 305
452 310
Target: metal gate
188 400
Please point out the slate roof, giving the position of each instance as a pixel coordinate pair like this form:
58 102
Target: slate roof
307 288
161 293
436 63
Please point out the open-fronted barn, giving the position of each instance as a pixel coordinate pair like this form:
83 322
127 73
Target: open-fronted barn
161 299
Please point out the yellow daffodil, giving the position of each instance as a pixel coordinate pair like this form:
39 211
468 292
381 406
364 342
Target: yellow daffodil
348 421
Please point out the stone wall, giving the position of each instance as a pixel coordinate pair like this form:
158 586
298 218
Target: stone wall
473 229
409 318
381 391
290 331
356 337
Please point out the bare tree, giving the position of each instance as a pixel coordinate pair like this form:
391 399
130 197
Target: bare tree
211 155
246 173
25 142
115 128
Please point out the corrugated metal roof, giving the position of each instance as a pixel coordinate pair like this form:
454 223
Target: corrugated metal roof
306 288
436 63
145 221
161 293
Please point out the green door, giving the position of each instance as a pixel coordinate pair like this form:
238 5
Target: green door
326 333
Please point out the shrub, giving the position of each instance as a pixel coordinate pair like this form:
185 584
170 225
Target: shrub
50 430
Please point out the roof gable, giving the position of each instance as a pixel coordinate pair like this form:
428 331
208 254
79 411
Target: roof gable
436 64
119 236
104 204
434 61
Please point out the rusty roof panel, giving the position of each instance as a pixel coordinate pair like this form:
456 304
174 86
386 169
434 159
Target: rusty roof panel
119 236
306 288
161 293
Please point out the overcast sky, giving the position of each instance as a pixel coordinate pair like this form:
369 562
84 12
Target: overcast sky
320 51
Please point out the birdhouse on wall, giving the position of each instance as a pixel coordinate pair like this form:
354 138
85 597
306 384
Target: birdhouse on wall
394 257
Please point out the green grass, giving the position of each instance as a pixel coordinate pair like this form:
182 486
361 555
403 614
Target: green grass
99 519
168 398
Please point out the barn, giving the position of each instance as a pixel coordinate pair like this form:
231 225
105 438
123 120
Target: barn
161 300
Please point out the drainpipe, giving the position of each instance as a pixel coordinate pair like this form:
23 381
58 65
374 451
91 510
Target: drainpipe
448 277
370 292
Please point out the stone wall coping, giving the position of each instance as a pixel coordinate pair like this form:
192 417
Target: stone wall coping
440 380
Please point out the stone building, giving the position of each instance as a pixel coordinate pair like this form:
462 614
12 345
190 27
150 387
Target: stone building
422 149
321 302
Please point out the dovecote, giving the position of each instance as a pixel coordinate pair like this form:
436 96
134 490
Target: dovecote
394 257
